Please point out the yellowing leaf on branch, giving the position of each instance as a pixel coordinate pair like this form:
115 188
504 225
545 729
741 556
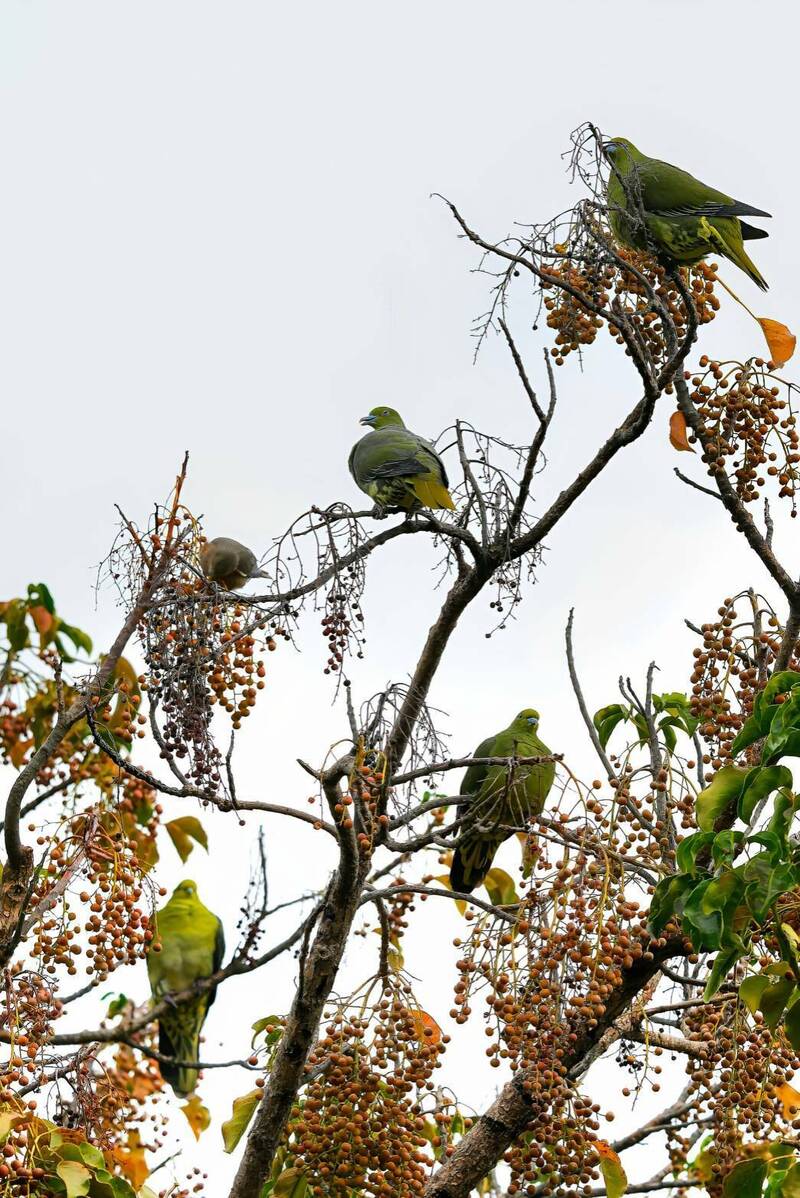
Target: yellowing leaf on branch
779 338
678 436
426 1027
197 1116
185 830
243 1110
500 888
611 1167
291 1184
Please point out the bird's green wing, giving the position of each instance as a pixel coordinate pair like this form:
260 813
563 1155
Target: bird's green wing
393 453
475 775
670 191
219 953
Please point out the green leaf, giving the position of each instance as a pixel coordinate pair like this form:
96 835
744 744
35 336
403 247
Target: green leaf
745 1179
16 627
183 831
269 1021
767 885
774 1000
665 897
243 1110
76 1178
752 990
790 1187
755 727
40 595
606 720
723 964
79 638
721 793
791 1025
779 684
760 782
726 844
785 724
689 848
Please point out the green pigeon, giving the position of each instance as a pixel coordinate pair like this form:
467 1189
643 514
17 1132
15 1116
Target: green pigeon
229 562
192 947
656 206
398 469
494 804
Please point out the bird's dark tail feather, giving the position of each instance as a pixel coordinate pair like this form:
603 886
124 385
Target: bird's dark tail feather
751 232
472 861
182 1080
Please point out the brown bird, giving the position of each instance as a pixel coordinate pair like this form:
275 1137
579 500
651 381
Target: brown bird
229 563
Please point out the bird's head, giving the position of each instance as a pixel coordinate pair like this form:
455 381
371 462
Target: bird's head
185 889
620 152
382 417
528 718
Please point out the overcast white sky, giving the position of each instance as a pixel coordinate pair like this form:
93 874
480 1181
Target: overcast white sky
217 235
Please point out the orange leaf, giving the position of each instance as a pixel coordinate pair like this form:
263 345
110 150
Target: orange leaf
197 1116
131 1160
41 618
789 1099
781 341
16 753
677 432
426 1027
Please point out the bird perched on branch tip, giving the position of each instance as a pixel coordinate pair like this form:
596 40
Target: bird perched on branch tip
655 206
229 563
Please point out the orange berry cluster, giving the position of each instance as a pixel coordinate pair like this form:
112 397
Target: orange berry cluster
591 279
359 1126
27 1013
736 657
117 929
749 425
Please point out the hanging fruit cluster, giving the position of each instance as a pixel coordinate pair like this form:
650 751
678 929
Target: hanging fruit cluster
750 427
587 279
730 667
359 1126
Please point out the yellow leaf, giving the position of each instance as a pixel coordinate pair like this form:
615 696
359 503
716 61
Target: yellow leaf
500 887
611 1167
183 831
197 1116
678 438
243 1110
780 339
291 1184
16 753
789 1099
426 1027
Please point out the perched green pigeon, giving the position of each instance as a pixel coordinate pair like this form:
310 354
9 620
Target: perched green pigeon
398 468
229 563
192 946
656 206
493 802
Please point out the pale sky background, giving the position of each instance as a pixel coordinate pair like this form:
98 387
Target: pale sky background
217 235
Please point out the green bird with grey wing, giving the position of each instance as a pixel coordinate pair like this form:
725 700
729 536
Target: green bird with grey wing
499 802
192 945
397 468
660 208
